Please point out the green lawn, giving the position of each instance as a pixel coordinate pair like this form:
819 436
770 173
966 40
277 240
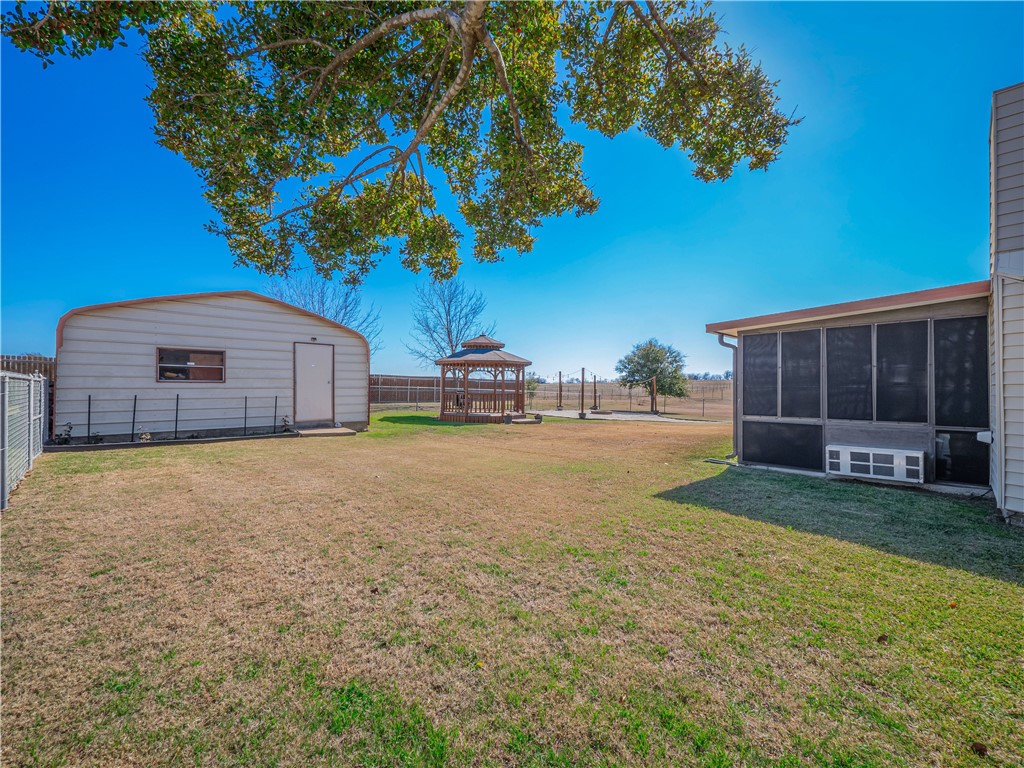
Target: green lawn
569 593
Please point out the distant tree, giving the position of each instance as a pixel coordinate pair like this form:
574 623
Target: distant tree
445 315
336 301
727 375
649 359
532 384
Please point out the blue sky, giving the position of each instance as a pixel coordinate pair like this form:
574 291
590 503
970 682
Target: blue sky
882 189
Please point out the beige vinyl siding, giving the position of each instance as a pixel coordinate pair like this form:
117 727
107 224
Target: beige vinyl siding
110 353
1008 169
1007 201
1012 320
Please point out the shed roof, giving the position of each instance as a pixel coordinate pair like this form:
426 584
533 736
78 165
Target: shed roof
208 295
848 308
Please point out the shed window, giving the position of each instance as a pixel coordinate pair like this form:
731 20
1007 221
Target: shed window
761 374
961 372
189 365
848 367
902 373
801 374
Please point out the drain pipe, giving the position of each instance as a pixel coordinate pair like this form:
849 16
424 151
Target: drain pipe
735 415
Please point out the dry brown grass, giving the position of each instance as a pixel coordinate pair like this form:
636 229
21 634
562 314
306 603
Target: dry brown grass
561 594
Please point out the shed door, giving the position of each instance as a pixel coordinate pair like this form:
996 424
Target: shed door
314 383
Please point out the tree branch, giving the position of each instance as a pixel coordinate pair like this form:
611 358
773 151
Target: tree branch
513 107
470 29
673 41
34 28
396 22
281 44
440 73
611 23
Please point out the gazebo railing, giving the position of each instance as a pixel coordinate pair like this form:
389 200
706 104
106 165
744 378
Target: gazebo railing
480 401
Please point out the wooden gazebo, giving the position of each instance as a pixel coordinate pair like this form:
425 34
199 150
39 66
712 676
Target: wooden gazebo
482 383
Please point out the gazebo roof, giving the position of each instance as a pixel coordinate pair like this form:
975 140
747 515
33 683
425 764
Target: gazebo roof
482 342
484 350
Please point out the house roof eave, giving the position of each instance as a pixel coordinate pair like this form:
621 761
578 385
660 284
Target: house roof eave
733 328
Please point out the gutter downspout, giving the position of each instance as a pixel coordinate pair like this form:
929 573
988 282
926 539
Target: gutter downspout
735 415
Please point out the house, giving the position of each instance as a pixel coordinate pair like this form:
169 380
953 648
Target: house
205 364
923 387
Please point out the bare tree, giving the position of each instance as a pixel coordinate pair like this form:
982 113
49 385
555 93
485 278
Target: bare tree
339 302
445 315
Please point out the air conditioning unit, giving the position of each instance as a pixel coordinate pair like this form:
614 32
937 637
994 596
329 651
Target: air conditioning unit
877 463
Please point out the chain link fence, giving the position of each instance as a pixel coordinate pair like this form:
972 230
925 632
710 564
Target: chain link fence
23 405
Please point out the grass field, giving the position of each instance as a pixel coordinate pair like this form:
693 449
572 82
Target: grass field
571 593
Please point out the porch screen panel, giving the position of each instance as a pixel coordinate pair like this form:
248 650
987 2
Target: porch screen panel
801 374
960 458
902 371
961 372
786 445
848 373
760 374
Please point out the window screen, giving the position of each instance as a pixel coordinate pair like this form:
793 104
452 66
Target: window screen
785 445
902 371
760 374
189 365
801 374
848 372
960 458
961 372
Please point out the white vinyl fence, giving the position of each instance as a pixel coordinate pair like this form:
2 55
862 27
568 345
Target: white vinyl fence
22 427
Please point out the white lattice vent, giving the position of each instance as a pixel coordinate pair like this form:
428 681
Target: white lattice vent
879 463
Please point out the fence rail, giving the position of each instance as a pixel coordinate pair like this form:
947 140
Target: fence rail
23 406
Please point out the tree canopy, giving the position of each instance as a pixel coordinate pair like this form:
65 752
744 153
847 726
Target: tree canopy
649 359
327 129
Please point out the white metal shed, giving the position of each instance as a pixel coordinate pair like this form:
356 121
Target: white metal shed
204 364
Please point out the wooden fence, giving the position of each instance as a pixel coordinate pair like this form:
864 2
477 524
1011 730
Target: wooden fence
29 364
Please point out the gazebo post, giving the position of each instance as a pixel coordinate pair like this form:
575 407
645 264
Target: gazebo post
465 390
443 374
502 369
520 400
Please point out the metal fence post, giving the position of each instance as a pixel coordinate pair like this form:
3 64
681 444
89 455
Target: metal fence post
44 426
31 418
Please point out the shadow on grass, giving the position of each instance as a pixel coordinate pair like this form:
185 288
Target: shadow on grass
943 530
425 421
